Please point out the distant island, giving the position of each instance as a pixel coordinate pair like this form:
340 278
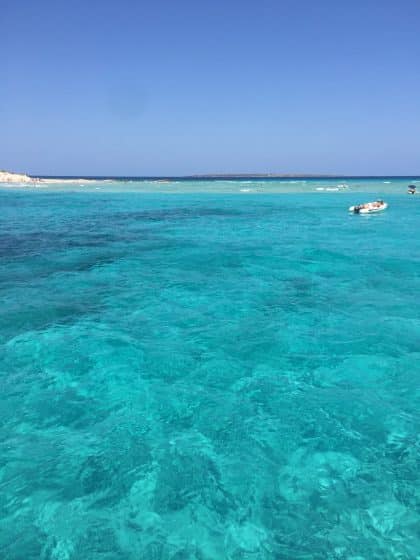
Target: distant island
22 179
25 179
8 177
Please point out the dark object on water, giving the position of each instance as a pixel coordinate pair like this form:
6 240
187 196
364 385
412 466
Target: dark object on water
411 189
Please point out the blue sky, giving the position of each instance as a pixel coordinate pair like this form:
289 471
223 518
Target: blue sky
179 87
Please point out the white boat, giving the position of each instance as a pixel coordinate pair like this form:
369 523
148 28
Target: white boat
369 207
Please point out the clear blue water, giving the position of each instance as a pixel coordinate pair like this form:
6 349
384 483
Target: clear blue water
203 376
242 185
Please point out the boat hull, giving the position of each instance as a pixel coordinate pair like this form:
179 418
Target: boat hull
371 210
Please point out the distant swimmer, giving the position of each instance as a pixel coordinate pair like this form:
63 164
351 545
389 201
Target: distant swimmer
411 189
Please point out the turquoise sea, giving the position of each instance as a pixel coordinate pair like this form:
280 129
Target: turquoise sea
228 371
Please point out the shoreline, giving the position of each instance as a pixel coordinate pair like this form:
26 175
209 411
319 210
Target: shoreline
24 180
243 185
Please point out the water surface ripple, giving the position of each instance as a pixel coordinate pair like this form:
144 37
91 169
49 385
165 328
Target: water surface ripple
208 376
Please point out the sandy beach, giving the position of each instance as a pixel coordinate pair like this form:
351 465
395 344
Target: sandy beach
22 180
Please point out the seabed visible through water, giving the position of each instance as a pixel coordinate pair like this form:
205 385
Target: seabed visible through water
209 376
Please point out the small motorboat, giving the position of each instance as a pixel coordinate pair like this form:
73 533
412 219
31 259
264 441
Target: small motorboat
412 189
369 207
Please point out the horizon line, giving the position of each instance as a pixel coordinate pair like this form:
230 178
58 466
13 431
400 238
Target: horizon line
229 175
